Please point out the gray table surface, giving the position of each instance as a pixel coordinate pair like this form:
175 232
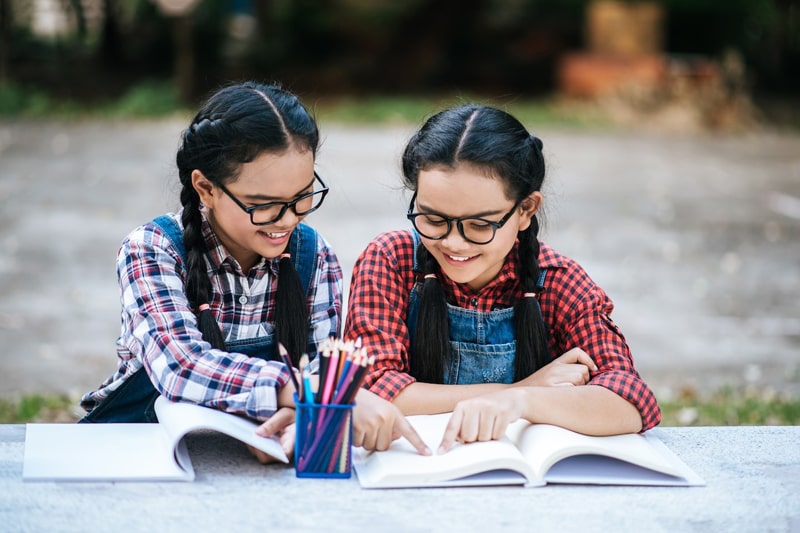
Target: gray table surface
752 476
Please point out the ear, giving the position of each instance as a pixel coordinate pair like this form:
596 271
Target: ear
204 188
528 208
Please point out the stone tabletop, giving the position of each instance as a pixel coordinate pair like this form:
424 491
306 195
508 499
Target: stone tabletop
752 476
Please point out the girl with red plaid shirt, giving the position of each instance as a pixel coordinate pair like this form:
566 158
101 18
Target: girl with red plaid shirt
469 312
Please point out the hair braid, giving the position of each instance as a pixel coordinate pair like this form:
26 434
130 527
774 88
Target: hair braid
532 349
432 338
291 310
198 284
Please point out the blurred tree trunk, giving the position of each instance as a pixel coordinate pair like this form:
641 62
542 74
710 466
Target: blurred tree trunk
110 43
184 58
5 38
80 18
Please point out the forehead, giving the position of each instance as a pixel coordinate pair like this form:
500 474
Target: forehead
276 173
463 190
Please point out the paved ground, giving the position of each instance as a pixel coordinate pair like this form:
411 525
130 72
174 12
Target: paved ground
697 239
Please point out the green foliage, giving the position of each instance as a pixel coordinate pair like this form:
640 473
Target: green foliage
731 406
148 99
37 408
728 406
414 110
18 101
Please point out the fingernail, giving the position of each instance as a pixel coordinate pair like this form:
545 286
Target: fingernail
441 450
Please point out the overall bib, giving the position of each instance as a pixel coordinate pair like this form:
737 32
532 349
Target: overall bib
482 344
134 400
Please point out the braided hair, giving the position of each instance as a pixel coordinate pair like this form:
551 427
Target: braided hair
496 141
236 125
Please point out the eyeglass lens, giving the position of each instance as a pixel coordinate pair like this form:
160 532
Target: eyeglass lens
301 206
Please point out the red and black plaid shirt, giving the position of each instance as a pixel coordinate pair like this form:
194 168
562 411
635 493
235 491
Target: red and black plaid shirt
576 312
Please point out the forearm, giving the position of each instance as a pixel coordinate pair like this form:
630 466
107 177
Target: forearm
429 398
587 409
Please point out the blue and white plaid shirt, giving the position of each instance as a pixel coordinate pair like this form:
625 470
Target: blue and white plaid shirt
159 328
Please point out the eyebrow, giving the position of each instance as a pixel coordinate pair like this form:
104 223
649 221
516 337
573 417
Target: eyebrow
483 214
268 199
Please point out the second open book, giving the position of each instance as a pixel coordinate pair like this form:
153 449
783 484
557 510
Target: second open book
530 454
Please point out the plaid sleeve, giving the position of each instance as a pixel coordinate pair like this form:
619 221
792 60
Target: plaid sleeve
377 305
326 297
160 329
578 312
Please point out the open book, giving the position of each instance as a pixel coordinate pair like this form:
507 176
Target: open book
529 454
132 452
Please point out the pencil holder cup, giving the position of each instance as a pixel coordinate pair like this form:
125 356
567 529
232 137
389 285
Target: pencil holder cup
324 434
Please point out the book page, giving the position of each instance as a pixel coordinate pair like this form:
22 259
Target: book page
100 452
563 456
480 463
180 418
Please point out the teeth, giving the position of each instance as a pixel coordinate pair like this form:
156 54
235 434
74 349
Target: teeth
277 235
454 258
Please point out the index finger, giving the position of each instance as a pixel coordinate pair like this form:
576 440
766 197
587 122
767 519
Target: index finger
277 422
451 431
404 429
584 359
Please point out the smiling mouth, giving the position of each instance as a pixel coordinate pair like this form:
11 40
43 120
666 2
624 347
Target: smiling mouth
277 235
459 259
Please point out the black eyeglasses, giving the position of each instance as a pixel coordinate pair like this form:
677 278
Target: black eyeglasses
474 229
265 214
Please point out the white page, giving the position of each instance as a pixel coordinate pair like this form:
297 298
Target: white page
403 466
100 452
630 459
180 418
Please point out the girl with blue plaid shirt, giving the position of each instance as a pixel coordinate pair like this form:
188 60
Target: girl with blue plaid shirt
209 291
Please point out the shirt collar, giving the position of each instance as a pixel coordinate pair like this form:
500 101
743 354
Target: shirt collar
219 255
507 277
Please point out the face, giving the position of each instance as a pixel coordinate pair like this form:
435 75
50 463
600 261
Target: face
271 177
468 191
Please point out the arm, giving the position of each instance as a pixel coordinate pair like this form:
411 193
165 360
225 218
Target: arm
571 368
377 305
586 409
159 329
579 312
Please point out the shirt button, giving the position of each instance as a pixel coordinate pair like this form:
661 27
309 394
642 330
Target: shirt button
243 299
474 302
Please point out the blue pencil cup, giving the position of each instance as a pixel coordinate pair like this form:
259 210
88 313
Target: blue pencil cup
323 440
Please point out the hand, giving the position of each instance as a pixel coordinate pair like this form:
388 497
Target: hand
571 368
282 425
482 418
378 422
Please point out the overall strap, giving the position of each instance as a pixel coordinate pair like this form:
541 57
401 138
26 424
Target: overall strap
303 247
540 281
174 232
417 240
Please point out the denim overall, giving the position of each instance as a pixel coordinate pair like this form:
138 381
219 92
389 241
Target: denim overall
482 344
134 400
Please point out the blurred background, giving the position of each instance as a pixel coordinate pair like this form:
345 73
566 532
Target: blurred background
671 128
647 55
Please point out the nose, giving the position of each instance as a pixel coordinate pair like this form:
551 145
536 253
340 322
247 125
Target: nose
288 218
454 240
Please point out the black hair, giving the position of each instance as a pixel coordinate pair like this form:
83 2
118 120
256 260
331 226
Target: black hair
236 125
495 141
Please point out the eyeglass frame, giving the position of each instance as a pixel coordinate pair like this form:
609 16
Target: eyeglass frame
410 215
284 205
